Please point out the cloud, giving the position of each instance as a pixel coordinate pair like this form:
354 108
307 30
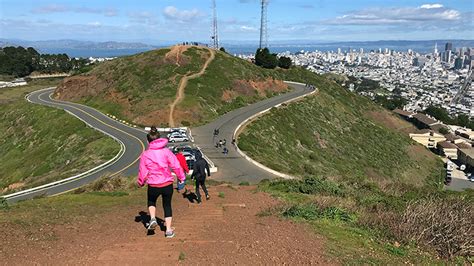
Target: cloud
406 15
143 17
173 13
431 6
54 8
248 28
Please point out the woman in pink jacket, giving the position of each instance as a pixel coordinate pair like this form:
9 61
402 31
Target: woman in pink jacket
155 164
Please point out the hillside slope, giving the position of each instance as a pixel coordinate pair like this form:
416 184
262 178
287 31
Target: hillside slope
141 88
40 144
363 180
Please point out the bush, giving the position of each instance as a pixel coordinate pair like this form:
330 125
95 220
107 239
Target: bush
284 62
3 203
316 185
108 184
313 212
444 223
264 59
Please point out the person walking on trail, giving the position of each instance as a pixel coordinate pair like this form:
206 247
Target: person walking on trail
154 170
199 175
184 165
226 151
182 160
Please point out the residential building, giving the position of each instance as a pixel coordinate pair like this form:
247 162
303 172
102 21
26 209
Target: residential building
466 157
427 138
448 149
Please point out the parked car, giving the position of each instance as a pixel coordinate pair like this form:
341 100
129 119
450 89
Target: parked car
178 138
180 130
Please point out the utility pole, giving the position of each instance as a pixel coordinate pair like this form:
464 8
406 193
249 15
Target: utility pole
214 36
263 26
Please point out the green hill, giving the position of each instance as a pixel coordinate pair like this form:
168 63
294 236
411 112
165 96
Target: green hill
363 183
141 88
41 144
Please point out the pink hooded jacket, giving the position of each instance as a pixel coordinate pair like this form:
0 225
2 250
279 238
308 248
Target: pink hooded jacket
155 164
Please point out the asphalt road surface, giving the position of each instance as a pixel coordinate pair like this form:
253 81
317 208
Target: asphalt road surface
233 167
133 139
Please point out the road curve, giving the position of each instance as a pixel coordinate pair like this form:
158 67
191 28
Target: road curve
233 167
132 140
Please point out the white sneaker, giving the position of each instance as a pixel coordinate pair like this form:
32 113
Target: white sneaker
153 224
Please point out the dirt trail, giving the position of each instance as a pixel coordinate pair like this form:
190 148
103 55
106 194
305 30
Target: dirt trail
224 230
176 52
182 85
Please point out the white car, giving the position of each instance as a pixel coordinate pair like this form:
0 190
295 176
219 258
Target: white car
176 134
178 138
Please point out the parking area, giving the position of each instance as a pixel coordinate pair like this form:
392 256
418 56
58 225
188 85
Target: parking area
180 139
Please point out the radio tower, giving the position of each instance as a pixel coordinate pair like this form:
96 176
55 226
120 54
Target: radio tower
214 36
263 26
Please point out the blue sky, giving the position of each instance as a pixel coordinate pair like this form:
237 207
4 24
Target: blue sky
172 20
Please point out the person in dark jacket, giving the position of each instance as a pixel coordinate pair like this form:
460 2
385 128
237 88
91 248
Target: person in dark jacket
199 175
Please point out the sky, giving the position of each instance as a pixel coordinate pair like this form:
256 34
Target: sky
152 21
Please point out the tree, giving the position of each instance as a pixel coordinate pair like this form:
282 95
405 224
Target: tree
222 49
439 113
284 62
264 59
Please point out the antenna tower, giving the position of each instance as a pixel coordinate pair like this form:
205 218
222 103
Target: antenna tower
263 26
214 36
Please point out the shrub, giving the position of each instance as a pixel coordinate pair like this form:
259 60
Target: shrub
313 212
444 223
284 62
245 183
108 184
316 185
3 203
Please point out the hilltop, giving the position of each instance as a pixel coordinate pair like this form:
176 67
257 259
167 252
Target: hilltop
144 88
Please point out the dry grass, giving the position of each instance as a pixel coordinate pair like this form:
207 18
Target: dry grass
446 224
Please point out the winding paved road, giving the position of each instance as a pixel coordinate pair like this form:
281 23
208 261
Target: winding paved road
232 167
133 144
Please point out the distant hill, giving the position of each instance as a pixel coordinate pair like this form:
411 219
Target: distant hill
73 44
141 88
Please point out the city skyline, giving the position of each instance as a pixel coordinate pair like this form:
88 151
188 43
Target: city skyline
166 20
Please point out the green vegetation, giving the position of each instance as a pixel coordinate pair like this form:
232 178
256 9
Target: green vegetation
441 114
221 195
358 177
391 103
137 86
265 59
284 62
20 62
42 144
182 256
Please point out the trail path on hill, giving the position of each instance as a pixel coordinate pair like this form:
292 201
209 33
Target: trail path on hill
224 230
184 82
176 52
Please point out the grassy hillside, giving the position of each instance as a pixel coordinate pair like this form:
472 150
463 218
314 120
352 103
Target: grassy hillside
140 88
40 144
364 184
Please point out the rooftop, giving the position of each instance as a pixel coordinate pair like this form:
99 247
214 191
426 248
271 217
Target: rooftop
468 152
425 119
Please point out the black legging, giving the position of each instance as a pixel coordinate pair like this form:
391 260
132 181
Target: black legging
201 183
166 194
